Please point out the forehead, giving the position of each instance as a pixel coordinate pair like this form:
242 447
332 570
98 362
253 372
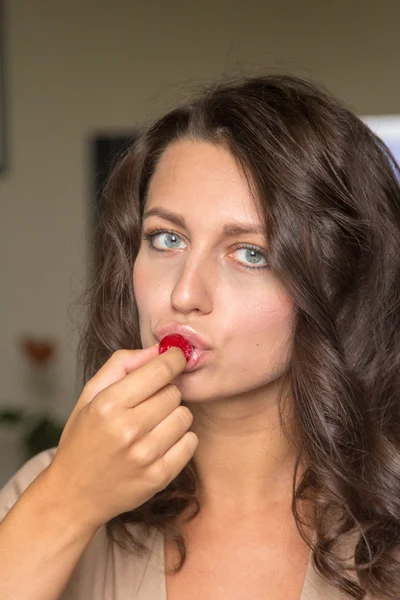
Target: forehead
201 180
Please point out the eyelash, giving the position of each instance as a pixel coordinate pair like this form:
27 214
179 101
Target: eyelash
154 232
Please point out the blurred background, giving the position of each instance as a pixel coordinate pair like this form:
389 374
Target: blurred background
77 77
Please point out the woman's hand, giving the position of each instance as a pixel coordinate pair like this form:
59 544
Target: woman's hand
127 437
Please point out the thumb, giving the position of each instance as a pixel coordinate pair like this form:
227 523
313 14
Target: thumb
120 364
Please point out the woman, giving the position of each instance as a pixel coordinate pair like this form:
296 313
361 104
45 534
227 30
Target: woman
261 221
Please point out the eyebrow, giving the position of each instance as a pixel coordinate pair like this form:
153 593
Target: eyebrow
230 229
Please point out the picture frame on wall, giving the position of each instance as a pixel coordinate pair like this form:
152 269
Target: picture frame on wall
106 149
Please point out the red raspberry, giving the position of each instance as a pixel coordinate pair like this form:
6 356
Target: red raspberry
176 340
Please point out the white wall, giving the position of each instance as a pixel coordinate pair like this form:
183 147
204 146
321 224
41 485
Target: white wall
77 67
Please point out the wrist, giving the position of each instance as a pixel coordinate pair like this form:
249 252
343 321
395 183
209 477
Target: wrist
59 502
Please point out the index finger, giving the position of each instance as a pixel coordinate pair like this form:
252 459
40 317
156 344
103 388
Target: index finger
149 378
118 366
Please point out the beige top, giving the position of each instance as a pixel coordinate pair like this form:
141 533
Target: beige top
106 572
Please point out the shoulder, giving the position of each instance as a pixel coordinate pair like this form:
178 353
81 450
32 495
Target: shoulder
18 483
105 570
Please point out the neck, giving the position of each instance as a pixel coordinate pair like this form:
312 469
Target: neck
244 462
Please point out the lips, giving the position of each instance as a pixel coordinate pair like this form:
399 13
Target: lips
186 331
201 348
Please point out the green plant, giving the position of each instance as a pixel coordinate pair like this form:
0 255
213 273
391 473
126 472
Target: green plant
40 430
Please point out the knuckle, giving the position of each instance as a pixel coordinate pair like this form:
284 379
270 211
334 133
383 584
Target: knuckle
184 415
159 475
143 455
102 406
119 354
173 393
89 384
163 370
135 431
192 441
128 435
90 388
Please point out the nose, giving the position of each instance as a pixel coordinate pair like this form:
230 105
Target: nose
194 286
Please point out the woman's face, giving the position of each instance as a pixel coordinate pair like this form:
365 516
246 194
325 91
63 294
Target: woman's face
196 275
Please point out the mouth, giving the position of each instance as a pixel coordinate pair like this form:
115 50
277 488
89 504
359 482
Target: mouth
197 358
201 349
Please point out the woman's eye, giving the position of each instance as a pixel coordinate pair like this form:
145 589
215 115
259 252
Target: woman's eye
170 239
253 256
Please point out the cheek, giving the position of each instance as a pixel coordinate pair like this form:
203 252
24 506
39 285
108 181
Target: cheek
263 328
150 289
138 282
142 286
147 280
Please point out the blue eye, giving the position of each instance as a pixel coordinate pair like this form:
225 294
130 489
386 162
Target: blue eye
171 239
253 254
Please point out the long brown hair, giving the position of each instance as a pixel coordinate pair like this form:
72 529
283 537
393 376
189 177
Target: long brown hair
329 190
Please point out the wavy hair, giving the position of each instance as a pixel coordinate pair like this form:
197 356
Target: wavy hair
329 192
